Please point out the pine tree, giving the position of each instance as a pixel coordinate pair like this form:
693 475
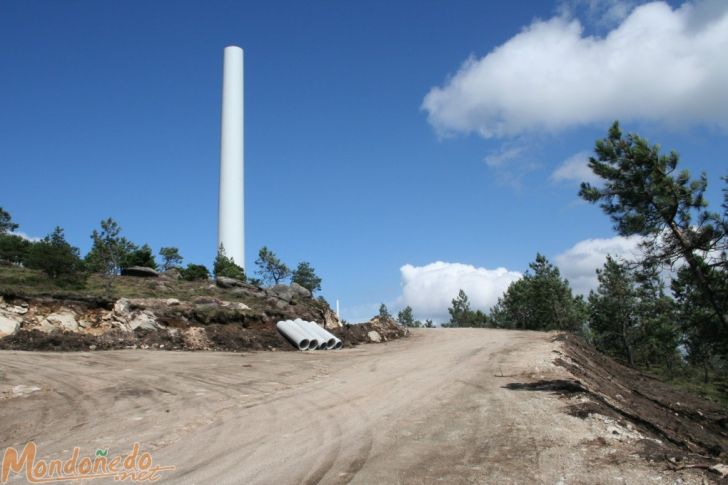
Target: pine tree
384 312
14 249
271 269
109 249
226 267
405 317
6 222
462 316
142 256
657 314
643 194
170 258
541 300
613 312
305 276
195 272
56 257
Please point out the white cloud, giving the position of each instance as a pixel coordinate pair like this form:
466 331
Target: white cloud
504 155
575 169
659 64
430 289
26 237
580 262
512 161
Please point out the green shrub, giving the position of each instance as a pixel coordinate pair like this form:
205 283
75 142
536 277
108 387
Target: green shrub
195 272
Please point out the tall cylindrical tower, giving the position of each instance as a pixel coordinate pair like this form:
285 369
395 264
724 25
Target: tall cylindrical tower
230 232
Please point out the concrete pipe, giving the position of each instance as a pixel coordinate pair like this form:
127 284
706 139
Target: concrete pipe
294 335
328 340
312 335
337 342
332 341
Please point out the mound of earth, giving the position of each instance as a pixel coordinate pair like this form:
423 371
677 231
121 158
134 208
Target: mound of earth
375 330
685 430
231 317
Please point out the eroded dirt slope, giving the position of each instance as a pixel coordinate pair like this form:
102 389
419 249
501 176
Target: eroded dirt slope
691 430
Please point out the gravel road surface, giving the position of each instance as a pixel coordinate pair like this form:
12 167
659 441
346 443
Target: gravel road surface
431 408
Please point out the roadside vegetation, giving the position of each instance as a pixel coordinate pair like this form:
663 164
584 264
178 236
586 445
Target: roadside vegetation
665 313
53 266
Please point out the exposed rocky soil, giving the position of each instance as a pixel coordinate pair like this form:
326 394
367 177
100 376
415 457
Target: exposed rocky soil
684 430
238 317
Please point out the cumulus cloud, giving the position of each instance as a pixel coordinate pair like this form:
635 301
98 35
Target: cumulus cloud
430 289
575 169
580 262
658 64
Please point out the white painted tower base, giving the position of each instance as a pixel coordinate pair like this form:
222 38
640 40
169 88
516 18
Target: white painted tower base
231 226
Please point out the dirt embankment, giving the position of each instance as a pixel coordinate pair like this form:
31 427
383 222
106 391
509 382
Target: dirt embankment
234 319
686 431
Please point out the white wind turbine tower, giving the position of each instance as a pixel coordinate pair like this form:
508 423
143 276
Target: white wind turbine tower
231 225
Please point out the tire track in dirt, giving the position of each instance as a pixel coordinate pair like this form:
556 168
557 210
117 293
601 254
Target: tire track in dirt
433 407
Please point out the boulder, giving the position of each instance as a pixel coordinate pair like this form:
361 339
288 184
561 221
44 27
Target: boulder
43 325
140 271
225 282
288 293
122 308
374 336
8 325
248 290
300 290
21 309
278 303
331 320
236 305
172 274
65 321
144 320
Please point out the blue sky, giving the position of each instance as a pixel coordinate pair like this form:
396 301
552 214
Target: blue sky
372 142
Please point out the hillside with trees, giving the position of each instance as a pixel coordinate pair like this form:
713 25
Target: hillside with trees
665 312
119 296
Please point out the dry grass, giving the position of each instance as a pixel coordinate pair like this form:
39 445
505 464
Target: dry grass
31 283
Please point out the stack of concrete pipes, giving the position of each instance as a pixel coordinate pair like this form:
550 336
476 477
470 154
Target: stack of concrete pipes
308 335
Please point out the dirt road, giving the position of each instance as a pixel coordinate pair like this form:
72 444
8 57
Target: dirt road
432 408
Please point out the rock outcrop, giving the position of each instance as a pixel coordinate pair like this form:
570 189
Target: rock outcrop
11 316
228 315
8 325
225 282
140 271
289 293
331 320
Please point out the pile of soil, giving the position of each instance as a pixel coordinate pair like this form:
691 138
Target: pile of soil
693 432
361 333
